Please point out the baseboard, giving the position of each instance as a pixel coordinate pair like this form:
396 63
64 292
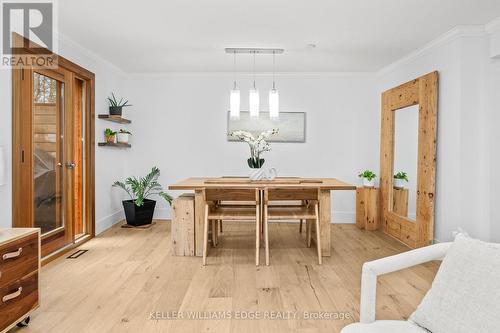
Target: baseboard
338 216
108 221
343 217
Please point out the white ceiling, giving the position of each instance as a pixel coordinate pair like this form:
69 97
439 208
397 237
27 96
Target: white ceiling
190 35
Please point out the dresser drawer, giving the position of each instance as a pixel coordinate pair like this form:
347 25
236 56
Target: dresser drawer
18 298
18 258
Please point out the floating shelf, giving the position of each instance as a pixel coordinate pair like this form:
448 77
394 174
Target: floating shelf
115 119
120 145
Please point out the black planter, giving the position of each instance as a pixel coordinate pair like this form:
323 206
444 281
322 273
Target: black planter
115 110
138 216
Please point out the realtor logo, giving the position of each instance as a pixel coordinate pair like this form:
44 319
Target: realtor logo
28 33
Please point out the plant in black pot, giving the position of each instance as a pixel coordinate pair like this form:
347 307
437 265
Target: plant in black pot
139 209
116 106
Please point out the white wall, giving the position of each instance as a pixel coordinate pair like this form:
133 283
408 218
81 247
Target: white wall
179 124
492 126
109 163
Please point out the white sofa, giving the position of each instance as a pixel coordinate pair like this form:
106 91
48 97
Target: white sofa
464 297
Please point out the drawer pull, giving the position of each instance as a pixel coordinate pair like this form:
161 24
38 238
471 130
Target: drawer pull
13 254
13 295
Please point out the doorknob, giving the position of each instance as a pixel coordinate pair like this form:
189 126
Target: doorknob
70 165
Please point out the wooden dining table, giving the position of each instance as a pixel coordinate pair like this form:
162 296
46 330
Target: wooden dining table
324 185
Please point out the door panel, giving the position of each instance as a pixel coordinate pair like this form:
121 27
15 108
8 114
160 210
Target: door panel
48 97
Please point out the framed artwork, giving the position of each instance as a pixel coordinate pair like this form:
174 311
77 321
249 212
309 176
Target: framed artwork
291 126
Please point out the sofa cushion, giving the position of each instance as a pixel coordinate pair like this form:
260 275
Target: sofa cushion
384 326
465 294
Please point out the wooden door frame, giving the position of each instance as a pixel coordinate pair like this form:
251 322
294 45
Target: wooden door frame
21 100
422 91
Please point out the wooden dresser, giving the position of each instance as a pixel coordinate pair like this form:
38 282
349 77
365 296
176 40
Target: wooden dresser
19 271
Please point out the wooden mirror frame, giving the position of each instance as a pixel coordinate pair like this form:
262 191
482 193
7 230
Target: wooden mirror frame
423 92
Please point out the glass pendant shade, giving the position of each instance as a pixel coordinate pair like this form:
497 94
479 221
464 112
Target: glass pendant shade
234 103
253 99
274 104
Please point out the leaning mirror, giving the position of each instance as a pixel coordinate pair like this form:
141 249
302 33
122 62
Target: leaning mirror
404 189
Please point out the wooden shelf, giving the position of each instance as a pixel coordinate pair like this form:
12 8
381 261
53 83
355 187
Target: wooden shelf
115 119
120 145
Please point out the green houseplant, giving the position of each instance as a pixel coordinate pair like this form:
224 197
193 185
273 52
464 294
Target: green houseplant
399 179
116 106
110 135
123 136
368 177
139 210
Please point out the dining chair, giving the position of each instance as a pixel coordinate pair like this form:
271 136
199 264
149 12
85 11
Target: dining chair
215 212
307 211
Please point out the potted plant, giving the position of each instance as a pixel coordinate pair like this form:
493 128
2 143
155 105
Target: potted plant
368 178
110 135
139 210
123 136
116 106
257 146
399 179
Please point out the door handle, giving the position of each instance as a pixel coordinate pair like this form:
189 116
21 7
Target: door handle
70 165
14 254
15 294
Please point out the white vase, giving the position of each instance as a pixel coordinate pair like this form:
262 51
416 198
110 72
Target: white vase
122 137
399 183
261 173
368 183
256 174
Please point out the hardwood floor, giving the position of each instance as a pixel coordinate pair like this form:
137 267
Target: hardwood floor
128 281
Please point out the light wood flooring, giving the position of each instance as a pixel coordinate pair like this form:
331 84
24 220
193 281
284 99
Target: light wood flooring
127 274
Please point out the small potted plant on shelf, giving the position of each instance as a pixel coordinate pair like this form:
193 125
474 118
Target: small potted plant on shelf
139 210
368 177
110 135
257 146
116 106
399 179
123 136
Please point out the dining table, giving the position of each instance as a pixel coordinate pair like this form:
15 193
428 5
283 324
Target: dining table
324 186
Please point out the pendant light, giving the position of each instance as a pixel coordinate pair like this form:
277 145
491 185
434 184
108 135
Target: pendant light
234 97
274 98
253 97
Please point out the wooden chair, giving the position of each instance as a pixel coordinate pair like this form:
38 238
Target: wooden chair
307 211
215 212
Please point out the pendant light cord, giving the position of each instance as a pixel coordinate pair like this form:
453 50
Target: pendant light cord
274 70
234 69
254 70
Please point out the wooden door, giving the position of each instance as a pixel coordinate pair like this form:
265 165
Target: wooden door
53 153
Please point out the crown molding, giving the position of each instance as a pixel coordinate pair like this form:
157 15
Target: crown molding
451 35
250 75
493 26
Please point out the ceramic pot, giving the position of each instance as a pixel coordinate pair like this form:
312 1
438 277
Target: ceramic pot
368 183
261 173
123 137
399 183
115 110
110 139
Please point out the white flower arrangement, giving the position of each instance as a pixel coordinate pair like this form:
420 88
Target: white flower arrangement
257 145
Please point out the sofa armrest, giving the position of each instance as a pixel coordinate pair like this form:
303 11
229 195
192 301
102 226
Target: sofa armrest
371 270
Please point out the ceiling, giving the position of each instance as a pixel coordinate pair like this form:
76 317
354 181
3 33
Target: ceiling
190 35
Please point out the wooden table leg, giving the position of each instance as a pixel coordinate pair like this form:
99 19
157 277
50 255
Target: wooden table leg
325 212
199 215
